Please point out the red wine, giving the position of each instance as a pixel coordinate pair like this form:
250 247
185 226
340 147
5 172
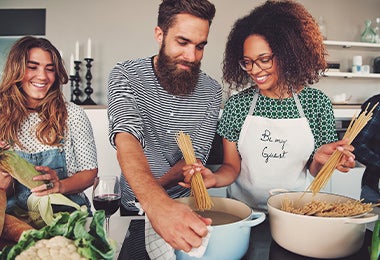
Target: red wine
110 203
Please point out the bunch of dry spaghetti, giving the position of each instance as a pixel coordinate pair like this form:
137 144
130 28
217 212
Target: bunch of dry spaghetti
356 125
328 209
198 188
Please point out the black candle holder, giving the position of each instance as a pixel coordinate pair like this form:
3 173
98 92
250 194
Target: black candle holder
88 90
72 79
77 92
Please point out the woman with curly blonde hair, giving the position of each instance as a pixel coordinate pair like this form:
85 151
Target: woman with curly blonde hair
54 135
278 128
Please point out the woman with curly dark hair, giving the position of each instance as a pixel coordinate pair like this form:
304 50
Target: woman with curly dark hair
278 128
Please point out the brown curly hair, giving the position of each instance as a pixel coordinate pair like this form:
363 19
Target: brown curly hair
292 34
13 102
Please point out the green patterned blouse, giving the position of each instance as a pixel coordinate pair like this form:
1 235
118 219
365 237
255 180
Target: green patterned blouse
316 106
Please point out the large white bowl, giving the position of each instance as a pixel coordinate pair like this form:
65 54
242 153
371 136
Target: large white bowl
320 237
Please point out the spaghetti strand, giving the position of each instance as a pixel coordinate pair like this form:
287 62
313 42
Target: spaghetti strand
355 126
198 189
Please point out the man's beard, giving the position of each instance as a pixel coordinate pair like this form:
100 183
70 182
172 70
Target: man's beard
176 81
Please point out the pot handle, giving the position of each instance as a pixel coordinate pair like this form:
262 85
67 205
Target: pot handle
256 218
277 191
367 218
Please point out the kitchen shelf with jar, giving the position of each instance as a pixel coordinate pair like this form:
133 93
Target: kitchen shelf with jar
356 45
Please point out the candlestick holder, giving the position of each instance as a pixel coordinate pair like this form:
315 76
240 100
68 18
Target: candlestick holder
88 90
72 80
77 92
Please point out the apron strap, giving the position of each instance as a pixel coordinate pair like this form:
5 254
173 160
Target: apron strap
254 101
298 104
256 97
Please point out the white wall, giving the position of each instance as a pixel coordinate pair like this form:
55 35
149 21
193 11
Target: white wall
123 29
107 161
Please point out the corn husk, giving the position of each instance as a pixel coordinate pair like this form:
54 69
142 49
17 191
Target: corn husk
19 168
23 171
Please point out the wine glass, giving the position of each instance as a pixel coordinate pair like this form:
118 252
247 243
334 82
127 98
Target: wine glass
106 196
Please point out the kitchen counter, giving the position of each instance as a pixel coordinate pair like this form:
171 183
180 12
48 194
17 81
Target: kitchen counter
261 246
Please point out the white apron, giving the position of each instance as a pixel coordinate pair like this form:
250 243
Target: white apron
274 153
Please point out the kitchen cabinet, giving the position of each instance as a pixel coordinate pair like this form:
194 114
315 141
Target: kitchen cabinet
107 161
346 184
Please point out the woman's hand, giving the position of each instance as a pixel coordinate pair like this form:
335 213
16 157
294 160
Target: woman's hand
5 180
54 184
207 175
4 145
325 151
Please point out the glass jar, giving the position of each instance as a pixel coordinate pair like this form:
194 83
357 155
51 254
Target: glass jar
368 34
377 30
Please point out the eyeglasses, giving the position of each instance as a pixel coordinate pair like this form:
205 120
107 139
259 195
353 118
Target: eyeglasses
263 62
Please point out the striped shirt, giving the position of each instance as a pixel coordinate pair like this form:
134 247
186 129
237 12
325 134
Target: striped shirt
137 104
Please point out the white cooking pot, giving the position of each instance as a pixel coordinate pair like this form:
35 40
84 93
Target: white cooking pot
320 237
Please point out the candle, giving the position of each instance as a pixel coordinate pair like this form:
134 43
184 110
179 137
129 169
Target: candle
72 73
77 51
89 48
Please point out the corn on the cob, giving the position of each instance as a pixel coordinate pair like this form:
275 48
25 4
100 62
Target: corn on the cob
23 171
18 168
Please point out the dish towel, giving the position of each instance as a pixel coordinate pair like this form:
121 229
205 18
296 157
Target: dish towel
157 248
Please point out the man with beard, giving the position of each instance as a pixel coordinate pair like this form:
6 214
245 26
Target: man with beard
149 101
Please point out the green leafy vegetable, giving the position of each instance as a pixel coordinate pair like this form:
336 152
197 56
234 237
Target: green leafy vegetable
375 246
92 244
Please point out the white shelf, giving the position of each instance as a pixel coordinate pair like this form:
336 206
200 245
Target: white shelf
350 75
347 44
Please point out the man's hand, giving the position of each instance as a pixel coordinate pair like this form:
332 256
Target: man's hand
178 225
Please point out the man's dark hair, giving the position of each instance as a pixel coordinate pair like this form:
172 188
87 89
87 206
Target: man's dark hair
170 8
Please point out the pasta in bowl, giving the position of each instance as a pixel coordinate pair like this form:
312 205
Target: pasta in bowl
312 235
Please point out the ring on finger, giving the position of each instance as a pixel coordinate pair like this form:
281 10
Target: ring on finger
49 185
